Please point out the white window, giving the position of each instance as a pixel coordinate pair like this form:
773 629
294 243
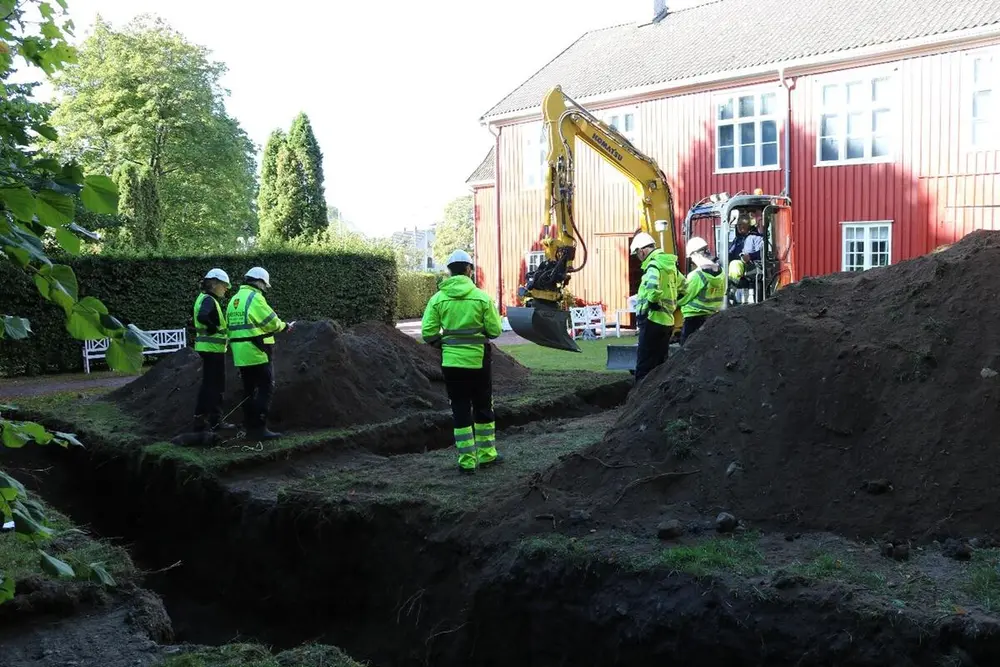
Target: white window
866 245
536 152
746 131
624 120
534 260
985 109
857 121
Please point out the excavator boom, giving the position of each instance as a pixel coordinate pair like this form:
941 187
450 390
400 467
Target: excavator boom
544 318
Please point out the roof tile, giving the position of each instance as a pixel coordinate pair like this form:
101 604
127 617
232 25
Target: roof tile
729 35
486 169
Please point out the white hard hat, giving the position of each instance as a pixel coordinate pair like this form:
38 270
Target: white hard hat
259 274
219 275
641 240
696 244
459 256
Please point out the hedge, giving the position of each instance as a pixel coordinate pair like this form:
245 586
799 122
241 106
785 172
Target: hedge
159 293
415 290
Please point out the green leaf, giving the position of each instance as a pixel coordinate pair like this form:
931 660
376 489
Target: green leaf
25 524
70 438
10 488
69 241
57 283
7 6
124 356
13 436
86 233
100 194
48 164
83 324
32 508
37 432
93 304
54 209
62 3
71 173
19 201
140 337
101 575
46 131
111 323
55 567
16 328
6 588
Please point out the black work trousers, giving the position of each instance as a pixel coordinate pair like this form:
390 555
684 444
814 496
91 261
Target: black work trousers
470 391
258 387
691 324
213 386
654 344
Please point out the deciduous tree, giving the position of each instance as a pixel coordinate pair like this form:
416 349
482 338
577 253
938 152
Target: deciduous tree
455 231
146 96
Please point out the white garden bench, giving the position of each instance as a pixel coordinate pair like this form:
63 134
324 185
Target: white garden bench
589 321
622 313
167 340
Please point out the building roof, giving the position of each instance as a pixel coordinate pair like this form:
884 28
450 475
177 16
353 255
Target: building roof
486 171
732 35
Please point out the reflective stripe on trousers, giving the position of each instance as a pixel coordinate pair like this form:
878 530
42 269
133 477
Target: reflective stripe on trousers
486 451
466 444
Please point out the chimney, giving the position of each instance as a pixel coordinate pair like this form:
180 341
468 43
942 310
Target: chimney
659 10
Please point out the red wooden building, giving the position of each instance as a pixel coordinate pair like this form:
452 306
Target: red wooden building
880 117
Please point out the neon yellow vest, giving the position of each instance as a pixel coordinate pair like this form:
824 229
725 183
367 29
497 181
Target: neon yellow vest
250 317
703 294
203 342
657 297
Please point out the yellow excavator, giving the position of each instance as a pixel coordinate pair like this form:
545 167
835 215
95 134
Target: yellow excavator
542 319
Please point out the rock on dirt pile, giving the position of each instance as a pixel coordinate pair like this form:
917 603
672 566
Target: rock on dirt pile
856 403
325 375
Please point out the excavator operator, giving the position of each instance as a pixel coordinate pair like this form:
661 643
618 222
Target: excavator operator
746 248
657 301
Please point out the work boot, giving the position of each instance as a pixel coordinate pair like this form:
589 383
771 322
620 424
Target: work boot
219 425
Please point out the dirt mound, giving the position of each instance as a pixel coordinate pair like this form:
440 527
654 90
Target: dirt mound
856 403
325 376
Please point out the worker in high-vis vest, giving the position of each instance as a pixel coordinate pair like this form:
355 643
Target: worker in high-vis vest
704 288
461 319
656 303
252 325
211 341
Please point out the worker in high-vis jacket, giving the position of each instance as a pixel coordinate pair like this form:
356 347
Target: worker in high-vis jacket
252 325
461 319
704 288
211 342
656 303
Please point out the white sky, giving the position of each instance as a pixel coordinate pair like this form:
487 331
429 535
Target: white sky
394 90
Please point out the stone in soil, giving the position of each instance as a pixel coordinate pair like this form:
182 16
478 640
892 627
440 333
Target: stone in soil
726 522
670 530
957 549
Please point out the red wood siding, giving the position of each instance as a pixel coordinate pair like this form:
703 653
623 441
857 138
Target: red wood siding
484 199
935 190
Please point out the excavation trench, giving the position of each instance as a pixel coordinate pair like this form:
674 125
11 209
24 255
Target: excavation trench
390 583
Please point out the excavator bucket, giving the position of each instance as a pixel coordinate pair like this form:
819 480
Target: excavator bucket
548 327
622 357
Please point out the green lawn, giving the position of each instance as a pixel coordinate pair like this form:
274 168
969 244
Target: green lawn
593 355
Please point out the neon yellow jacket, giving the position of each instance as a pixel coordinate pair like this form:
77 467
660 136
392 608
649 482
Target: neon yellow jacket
461 318
252 324
657 298
210 333
703 293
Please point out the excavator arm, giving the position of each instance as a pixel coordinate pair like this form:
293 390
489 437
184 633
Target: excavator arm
543 320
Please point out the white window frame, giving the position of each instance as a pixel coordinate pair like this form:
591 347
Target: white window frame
616 118
536 149
736 121
534 254
867 226
990 85
891 105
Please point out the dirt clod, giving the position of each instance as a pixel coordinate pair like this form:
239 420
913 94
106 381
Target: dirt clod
670 530
325 376
877 487
726 522
957 549
897 551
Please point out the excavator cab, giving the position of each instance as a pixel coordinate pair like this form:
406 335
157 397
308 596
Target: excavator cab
717 219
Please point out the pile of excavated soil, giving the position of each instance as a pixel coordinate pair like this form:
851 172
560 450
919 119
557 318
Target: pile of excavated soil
325 376
861 404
